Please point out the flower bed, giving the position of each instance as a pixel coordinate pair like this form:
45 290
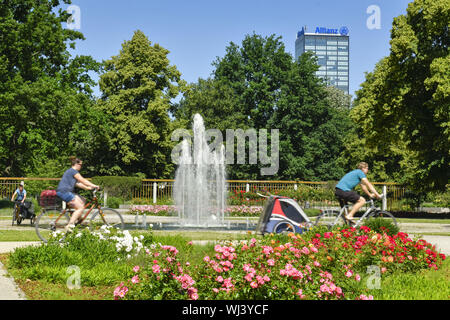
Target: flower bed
169 210
154 210
316 265
247 211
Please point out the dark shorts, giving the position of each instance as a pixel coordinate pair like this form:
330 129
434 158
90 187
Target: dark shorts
66 196
349 196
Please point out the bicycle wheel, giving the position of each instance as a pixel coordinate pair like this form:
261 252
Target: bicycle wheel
32 219
106 216
284 226
50 221
18 215
330 218
385 215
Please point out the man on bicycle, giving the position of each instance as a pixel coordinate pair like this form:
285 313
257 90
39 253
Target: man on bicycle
344 188
21 196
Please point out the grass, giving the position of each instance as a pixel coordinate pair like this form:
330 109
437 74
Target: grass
18 235
425 285
30 235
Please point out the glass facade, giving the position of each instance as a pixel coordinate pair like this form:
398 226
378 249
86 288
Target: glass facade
332 52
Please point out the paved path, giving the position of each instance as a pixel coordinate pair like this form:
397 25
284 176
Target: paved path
442 243
8 288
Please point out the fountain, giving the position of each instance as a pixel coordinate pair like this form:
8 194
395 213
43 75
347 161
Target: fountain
200 184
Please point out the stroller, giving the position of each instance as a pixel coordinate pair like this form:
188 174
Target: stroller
282 214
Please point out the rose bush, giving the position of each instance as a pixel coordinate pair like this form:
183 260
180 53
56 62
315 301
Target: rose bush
316 265
243 210
154 210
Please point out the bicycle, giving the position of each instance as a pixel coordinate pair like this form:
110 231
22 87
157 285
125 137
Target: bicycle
53 220
331 217
17 217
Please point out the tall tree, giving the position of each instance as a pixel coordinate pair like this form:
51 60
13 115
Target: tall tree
137 87
406 99
312 128
258 85
256 71
41 86
216 101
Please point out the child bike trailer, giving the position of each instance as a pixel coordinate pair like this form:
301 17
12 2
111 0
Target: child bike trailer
282 214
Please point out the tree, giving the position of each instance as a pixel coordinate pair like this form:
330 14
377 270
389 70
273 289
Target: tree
312 129
217 103
137 87
41 86
338 98
406 99
255 71
259 85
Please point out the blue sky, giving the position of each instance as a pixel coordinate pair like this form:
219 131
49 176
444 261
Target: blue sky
197 31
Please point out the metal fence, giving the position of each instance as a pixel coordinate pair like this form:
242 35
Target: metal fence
152 191
160 191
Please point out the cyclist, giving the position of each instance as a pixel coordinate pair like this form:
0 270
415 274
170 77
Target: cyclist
344 188
21 196
66 187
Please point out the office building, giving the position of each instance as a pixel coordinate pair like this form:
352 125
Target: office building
331 46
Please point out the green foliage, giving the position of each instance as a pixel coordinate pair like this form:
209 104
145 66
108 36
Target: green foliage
425 285
311 130
381 226
402 109
6 204
114 202
121 187
103 257
441 199
137 86
43 91
258 85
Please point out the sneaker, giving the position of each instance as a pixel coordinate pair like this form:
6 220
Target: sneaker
349 220
69 228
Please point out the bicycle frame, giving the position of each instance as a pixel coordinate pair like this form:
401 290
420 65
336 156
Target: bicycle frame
17 209
93 205
345 209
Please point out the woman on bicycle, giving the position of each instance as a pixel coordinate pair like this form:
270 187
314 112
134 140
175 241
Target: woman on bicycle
66 187
21 196
344 188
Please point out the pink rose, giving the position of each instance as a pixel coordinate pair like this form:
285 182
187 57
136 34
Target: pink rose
156 268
